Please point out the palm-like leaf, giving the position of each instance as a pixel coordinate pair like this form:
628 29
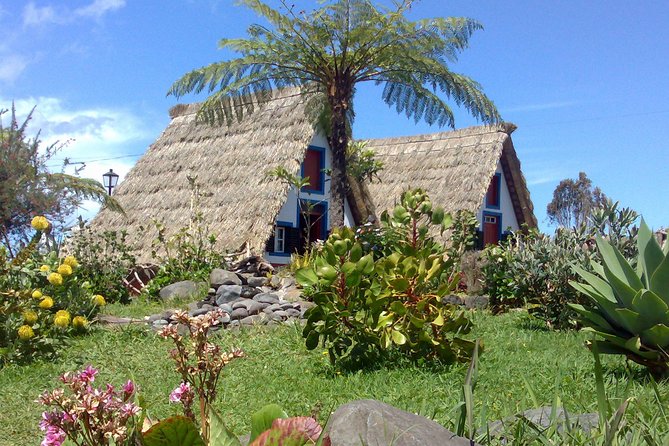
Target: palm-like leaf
630 308
326 53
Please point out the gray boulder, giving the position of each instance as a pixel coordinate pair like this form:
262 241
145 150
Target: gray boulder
220 277
228 293
373 423
183 290
249 291
267 298
257 281
541 417
239 313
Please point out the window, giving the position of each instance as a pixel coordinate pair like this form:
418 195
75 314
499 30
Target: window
492 196
490 219
279 239
312 167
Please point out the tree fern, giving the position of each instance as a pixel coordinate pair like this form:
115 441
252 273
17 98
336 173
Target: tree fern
326 53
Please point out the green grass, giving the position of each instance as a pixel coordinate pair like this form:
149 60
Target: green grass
278 369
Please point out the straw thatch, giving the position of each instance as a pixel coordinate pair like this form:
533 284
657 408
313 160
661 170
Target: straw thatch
455 168
231 164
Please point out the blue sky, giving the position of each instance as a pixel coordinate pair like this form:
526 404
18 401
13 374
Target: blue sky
587 83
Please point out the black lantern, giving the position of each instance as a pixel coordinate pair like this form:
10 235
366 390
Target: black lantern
110 180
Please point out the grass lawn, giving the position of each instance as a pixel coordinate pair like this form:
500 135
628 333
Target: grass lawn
278 369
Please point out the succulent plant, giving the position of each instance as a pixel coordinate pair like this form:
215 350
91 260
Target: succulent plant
630 307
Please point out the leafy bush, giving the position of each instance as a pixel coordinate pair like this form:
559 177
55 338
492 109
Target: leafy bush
628 308
42 301
106 259
364 306
190 253
534 269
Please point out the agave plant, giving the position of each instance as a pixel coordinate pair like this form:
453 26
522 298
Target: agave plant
630 307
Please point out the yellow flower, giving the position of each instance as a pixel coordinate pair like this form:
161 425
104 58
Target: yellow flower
26 332
45 268
80 322
30 317
46 303
40 223
71 261
99 300
64 270
62 319
55 279
37 294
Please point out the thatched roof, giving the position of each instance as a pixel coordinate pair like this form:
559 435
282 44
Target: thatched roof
455 168
231 164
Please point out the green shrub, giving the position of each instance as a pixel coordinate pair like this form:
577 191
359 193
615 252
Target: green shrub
627 308
534 269
106 259
364 306
43 301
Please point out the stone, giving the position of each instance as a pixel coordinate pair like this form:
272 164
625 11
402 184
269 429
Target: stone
275 282
255 319
476 302
287 282
241 303
239 313
257 281
226 307
289 306
152 318
219 277
452 299
279 315
194 306
225 319
115 320
227 293
160 323
267 298
211 291
198 312
292 295
272 308
249 291
292 312
183 290
375 423
541 417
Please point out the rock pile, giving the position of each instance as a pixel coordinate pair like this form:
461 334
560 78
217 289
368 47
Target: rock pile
246 296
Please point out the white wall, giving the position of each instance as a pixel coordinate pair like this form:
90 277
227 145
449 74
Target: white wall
505 208
288 212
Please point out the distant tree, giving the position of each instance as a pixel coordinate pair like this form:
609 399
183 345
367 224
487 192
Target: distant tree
28 188
574 201
327 53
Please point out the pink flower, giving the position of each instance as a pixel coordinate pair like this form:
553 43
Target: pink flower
128 389
182 391
88 374
130 409
54 436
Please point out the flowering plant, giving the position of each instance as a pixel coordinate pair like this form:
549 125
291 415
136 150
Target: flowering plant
199 362
89 416
42 301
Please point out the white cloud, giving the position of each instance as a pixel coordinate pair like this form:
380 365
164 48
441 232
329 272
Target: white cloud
101 138
99 7
36 15
39 15
11 67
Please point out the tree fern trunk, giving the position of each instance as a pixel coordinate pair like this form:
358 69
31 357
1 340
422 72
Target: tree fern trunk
339 102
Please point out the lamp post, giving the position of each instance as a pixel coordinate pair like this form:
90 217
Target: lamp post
110 180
